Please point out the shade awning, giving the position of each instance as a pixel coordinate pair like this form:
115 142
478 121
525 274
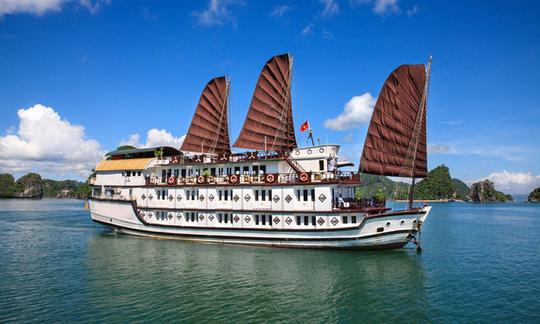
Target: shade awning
126 164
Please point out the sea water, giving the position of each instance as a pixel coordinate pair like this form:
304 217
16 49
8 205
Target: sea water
480 263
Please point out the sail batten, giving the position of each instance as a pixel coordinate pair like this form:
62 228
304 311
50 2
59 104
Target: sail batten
269 124
209 131
396 141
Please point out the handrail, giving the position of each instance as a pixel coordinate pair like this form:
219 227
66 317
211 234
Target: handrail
281 178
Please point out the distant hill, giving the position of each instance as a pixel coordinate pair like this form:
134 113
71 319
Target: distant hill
461 189
437 185
372 184
32 186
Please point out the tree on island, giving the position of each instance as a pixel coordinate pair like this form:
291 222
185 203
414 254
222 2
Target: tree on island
534 196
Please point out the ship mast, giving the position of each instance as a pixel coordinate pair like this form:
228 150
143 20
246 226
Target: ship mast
418 126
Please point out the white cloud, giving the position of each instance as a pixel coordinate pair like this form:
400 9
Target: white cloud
217 13
413 11
356 112
41 7
308 29
155 137
279 11
512 182
439 148
380 7
330 7
34 7
94 5
45 142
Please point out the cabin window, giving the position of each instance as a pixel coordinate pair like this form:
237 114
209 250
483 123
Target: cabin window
321 165
345 219
176 172
262 169
226 216
139 173
263 192
193 217
229 170
236 170
313 218
128 173
255 169
220 195
305 194
163 174
183 173
263 219
220 171
298 220
270 195
353 219
312 194
256 219
246 169
298 195
306 220
226 195
213 172
270 220
169 172
256 195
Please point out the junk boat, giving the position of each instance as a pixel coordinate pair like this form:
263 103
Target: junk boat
275 193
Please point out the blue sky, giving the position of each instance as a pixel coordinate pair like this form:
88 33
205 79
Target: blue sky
121 68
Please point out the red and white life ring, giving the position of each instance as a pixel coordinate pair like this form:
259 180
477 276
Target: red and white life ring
200 179
233 178
171 180
304 177
270 178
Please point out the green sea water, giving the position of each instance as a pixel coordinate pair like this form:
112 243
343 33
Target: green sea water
480 263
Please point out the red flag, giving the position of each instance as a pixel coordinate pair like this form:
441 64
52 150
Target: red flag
304 126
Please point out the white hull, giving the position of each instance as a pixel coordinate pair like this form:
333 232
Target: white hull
397 230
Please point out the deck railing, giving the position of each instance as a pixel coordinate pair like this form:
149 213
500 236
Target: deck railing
269 178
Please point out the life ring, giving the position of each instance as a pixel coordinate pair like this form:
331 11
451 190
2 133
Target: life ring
200 179
270 178
171 180
233 178
304 177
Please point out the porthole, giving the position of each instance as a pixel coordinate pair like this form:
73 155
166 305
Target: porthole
387 223
414 221
402 222
297 152
321 150
380 229
309 151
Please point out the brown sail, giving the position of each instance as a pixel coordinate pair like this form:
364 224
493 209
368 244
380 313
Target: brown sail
209 132
269 122
396 141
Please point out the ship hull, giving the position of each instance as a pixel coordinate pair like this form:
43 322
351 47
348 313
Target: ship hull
122 216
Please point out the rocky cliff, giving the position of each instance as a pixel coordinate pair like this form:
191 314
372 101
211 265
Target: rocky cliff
28 186
534 196
484 191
